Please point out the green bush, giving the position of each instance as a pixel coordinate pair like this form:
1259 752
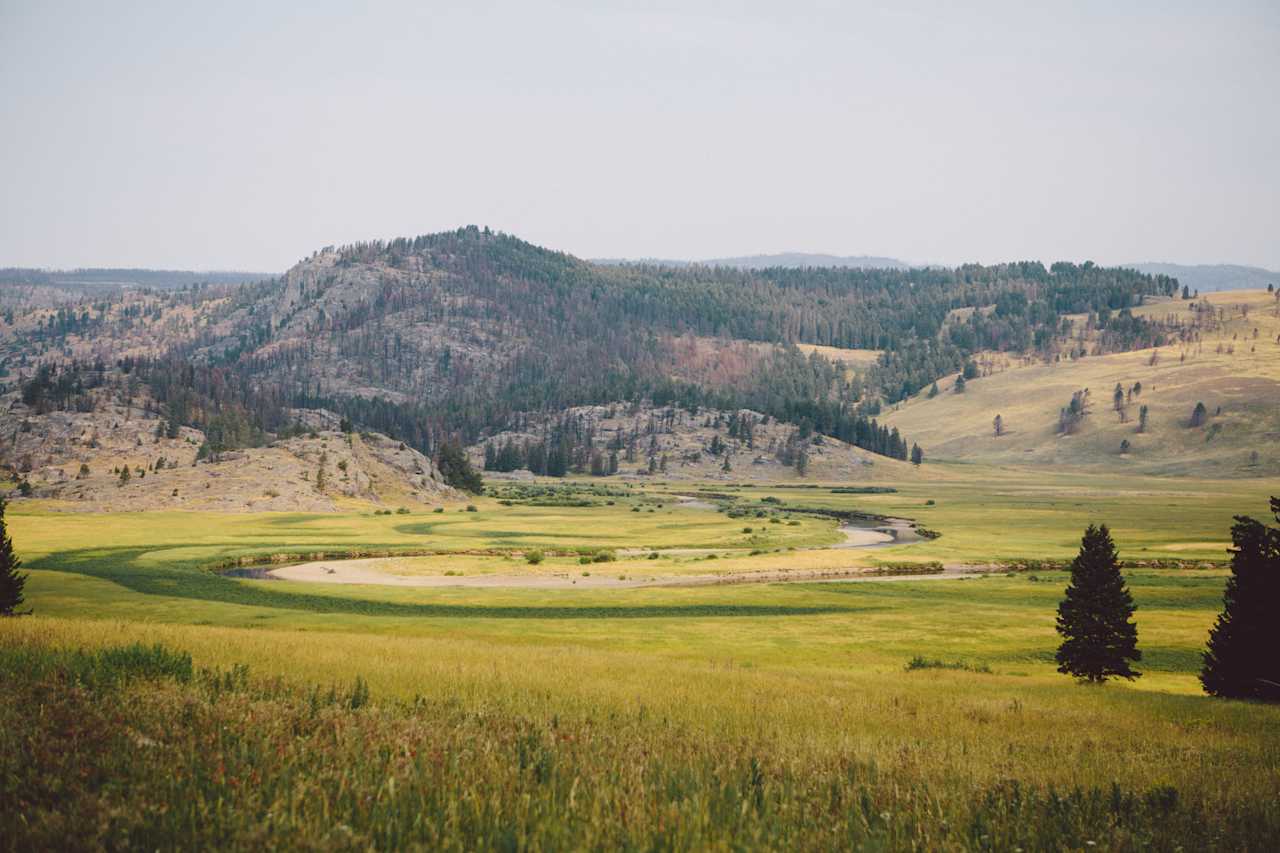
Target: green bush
100 669
533 557
919 662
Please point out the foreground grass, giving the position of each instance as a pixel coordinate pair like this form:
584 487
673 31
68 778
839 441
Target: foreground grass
785 716
563 748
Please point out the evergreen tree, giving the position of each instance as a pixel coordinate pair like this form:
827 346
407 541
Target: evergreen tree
456 469
917 455
11 582
1242 660
959 386
998 425
1099 638
933 390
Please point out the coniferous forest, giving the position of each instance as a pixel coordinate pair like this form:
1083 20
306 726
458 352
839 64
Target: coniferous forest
452 336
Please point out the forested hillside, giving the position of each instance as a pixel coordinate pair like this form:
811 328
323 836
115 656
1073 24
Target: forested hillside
459 335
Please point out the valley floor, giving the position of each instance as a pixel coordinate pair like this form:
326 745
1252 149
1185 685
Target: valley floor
774 715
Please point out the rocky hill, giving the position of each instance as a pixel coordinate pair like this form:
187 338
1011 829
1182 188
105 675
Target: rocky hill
640 441
458 336
121 456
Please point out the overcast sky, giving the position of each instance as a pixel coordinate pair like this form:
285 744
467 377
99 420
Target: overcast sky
230 135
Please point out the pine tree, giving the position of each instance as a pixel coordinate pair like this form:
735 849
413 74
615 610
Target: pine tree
1099 638
1242 660
456 469
917 455
11 582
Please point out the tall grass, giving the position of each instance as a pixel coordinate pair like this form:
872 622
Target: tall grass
226 760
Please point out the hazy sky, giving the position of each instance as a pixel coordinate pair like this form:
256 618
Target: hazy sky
233 135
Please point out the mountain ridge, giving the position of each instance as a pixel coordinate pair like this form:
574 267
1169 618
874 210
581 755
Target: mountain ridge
788 260
1212 278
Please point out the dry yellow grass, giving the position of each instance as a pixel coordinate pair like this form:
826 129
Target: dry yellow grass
1229 368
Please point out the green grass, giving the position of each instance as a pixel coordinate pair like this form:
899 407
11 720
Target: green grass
780 716
990 515
256 763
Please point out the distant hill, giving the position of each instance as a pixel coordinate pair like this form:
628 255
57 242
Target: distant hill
785 260
1231 365
1211 278
112 279
461 335
801 260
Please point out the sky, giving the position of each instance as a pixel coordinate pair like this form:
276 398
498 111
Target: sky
237 135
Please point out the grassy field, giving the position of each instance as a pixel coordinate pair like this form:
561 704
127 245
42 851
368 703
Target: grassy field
760 715
1233 372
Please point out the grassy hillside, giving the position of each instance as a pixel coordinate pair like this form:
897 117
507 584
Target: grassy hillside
1227 369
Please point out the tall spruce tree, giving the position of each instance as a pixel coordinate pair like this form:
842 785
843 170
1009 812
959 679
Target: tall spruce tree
11 582
1099 638
456 469
1242 660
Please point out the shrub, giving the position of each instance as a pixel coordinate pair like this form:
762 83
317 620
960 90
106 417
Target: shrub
99 670
919 662
533 557
472 508
604 556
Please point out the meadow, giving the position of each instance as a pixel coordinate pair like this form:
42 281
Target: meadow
912 714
